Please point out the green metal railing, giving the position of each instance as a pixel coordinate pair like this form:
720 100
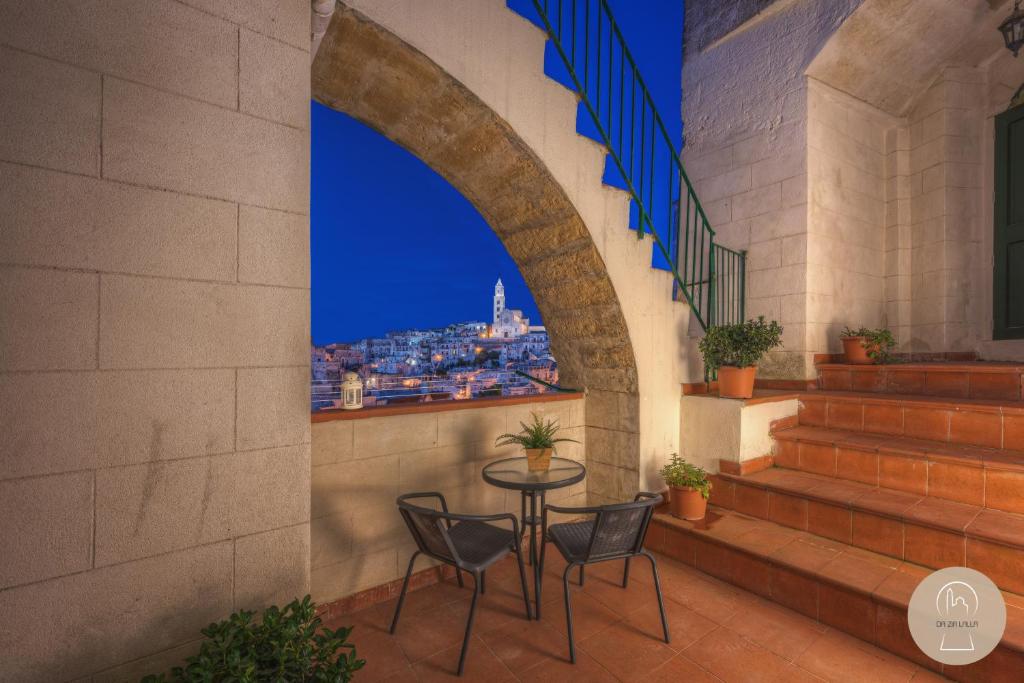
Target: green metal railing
602 71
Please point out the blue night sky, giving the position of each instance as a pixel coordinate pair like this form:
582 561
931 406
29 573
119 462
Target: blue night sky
394 246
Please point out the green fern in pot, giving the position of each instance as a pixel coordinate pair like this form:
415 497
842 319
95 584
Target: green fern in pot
538 439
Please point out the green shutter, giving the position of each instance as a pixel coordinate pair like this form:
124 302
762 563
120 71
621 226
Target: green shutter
1008 286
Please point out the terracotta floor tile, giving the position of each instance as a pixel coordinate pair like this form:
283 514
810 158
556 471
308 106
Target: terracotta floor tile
903 474
680 545
751 500
899 586
830 521
883 418
1003 490
628 654
880 534
383 655
1000 563
885 502
835 380
559 670
787 510
961 483
944 514
849 611
906 381
795 591
845 415
776 628
707 596
977 428
855 571
766 539
722 492
589 615
786 452
995 525
871 380
804 556
818 459
715 559
521 645
613 596
840 492
893 634
404 675
427 633
812 412
732 657
933 548
1000 386
685 626
1000 666
857 465
842 658
1013 431
752 573
678 669
481 665
951 384
926 423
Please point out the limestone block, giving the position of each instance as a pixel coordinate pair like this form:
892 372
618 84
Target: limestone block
794 250
162 43
50 111
613 410
330 538
381 526
768 306
157 139
736 181
762 255
48 319
185 591
332 441
69 221
136 669
286 20
354 574
779 223
272 568
273 79
710 163
469 426
384 435
273 407
147 323
611 447
438 469
273 247
144 510
777 281
614 484
348 486
47 527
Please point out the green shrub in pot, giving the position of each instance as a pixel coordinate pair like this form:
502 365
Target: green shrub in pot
734 351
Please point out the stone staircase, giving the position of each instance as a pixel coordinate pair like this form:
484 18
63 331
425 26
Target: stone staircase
886 474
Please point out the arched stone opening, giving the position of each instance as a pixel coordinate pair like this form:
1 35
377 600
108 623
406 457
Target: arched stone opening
372 75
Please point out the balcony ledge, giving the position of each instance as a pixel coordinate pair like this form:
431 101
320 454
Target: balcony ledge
439 406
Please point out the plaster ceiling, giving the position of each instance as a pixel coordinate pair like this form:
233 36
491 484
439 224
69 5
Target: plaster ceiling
888 52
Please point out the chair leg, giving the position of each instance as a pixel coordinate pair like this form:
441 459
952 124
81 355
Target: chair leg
522 577
657 588
401 597
568 612
469 623
483 582
458 575
625 574
581 574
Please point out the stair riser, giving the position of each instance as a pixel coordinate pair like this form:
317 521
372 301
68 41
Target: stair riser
973 483
991 427
897 538
861 614
1004 386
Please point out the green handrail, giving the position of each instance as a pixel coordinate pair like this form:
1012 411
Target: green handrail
710 277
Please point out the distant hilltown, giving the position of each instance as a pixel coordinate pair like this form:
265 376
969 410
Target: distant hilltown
461 361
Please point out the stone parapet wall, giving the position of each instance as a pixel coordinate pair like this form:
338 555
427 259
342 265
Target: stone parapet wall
361 465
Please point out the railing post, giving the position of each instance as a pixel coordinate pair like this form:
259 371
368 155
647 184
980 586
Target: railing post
712 285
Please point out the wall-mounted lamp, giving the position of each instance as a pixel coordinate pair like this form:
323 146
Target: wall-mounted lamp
1013 29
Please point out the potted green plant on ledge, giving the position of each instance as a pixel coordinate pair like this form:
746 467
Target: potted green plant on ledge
734 351
689 487
537 439
866 346
288 644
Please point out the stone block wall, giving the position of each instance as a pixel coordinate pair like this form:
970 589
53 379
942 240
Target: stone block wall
154 327
361 465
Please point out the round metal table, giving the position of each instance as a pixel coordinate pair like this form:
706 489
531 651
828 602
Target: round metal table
513 473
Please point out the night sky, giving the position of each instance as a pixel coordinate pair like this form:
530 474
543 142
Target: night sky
394 246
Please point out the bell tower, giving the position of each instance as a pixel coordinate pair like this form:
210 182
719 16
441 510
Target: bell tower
499 300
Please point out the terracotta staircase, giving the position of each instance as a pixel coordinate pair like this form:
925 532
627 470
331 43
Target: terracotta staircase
886 474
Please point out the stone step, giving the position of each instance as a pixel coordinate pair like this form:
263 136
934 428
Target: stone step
977 379
856 591
991 423
986 477
926 531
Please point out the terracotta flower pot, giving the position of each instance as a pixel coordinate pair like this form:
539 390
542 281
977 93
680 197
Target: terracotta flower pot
855 350
687 503
736 382
538 459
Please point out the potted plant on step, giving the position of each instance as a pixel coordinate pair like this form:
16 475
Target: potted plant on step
866 346
537 439
734 351
690 488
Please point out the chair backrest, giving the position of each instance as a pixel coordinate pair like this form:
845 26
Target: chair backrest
429 528
619 529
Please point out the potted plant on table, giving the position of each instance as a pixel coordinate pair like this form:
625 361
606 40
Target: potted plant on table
866 346
537 439
690 488
734 351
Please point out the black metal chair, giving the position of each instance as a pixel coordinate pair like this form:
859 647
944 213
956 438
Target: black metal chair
615 532
467 542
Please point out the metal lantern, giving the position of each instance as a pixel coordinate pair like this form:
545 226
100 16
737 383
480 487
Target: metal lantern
352 391
1013 29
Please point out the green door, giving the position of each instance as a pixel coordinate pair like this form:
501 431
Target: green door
1008 288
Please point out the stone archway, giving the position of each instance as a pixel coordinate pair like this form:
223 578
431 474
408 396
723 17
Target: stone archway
372 75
